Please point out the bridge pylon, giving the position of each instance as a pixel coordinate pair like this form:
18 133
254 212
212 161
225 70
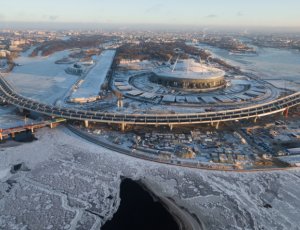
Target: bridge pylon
255 119
123 126
286 112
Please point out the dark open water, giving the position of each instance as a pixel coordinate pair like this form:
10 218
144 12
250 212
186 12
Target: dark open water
138 211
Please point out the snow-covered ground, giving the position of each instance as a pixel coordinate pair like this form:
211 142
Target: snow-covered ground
283 84
9 118
40 78
269 63
95 78
74 184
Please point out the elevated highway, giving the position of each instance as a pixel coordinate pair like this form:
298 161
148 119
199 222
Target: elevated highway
9 95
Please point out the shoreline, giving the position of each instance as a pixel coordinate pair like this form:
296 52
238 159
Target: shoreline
184 219
92 139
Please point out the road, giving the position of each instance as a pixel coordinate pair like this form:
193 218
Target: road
8 94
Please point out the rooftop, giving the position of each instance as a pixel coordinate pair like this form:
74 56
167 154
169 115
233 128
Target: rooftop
189 69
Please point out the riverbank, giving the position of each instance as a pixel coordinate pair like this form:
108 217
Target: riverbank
138 209
178 162
142 207
185 219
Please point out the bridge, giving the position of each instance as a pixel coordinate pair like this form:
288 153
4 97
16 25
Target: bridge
9 95
6 132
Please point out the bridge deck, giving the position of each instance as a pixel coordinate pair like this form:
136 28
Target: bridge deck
275 106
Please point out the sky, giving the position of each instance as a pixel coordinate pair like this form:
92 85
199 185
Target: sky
274 13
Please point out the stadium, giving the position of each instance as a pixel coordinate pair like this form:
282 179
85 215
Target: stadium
190 76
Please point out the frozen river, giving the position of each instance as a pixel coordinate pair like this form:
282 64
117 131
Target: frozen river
40 78
74 184
9 118
269 63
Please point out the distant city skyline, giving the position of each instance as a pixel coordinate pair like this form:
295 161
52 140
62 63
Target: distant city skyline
272 13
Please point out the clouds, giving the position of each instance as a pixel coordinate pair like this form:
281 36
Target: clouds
50 17
240 14
53 17
211 16
190 12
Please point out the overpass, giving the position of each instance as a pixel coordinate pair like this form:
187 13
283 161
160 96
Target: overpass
9 95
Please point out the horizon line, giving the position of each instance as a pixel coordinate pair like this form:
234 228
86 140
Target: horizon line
5 24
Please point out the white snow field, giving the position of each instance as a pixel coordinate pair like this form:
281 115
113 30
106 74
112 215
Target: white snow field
91 86
40 78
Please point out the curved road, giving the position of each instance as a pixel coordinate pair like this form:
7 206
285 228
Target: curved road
7 94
